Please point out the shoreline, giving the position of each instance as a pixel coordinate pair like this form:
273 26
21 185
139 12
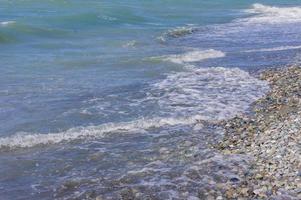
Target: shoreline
271 137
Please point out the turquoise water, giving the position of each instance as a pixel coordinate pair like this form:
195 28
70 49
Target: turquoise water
100 96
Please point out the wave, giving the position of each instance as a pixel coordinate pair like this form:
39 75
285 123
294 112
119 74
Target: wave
283 48
210 93
4 38
7 23
21 30
177 32
194 56
129 44
23 140
272 14
197 94
180 31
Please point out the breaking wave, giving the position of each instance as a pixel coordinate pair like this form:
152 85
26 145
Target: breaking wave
197 94
194 56
7 23
23 140
283 48
274 15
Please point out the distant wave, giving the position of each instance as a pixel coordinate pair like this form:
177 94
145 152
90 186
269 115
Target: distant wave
6 23
131 43
6 37
19 30
180 31
271 14
209 94
194 56
177 32
283 48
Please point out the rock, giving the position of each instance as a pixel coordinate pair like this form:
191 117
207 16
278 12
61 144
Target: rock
258 176
99 198
234 179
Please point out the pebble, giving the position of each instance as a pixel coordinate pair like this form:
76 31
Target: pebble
271 137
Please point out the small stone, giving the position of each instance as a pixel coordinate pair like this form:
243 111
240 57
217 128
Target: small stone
227 151
230 193
234 179
193 198
261 191
99 198
210 197
258 176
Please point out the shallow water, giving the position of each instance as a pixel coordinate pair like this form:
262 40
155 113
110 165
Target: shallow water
100 96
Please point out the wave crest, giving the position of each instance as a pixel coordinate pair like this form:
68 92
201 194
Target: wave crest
272 14
185 98
180 31
23 140
194 56
282 48
7 23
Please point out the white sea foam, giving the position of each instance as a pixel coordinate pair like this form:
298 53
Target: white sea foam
265 21
6 23
283 48
271 14
185 97
194 56
23 140
210 93
131 43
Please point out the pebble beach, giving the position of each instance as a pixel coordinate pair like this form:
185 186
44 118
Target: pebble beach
150 100
270 136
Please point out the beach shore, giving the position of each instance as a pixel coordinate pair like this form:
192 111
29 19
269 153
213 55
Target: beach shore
271 137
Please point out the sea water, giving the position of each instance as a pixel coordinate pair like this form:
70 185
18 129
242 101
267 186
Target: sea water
99 97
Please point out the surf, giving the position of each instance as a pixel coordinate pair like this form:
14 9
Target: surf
194 56
197 94
273 15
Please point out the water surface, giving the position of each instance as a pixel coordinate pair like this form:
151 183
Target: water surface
97 97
